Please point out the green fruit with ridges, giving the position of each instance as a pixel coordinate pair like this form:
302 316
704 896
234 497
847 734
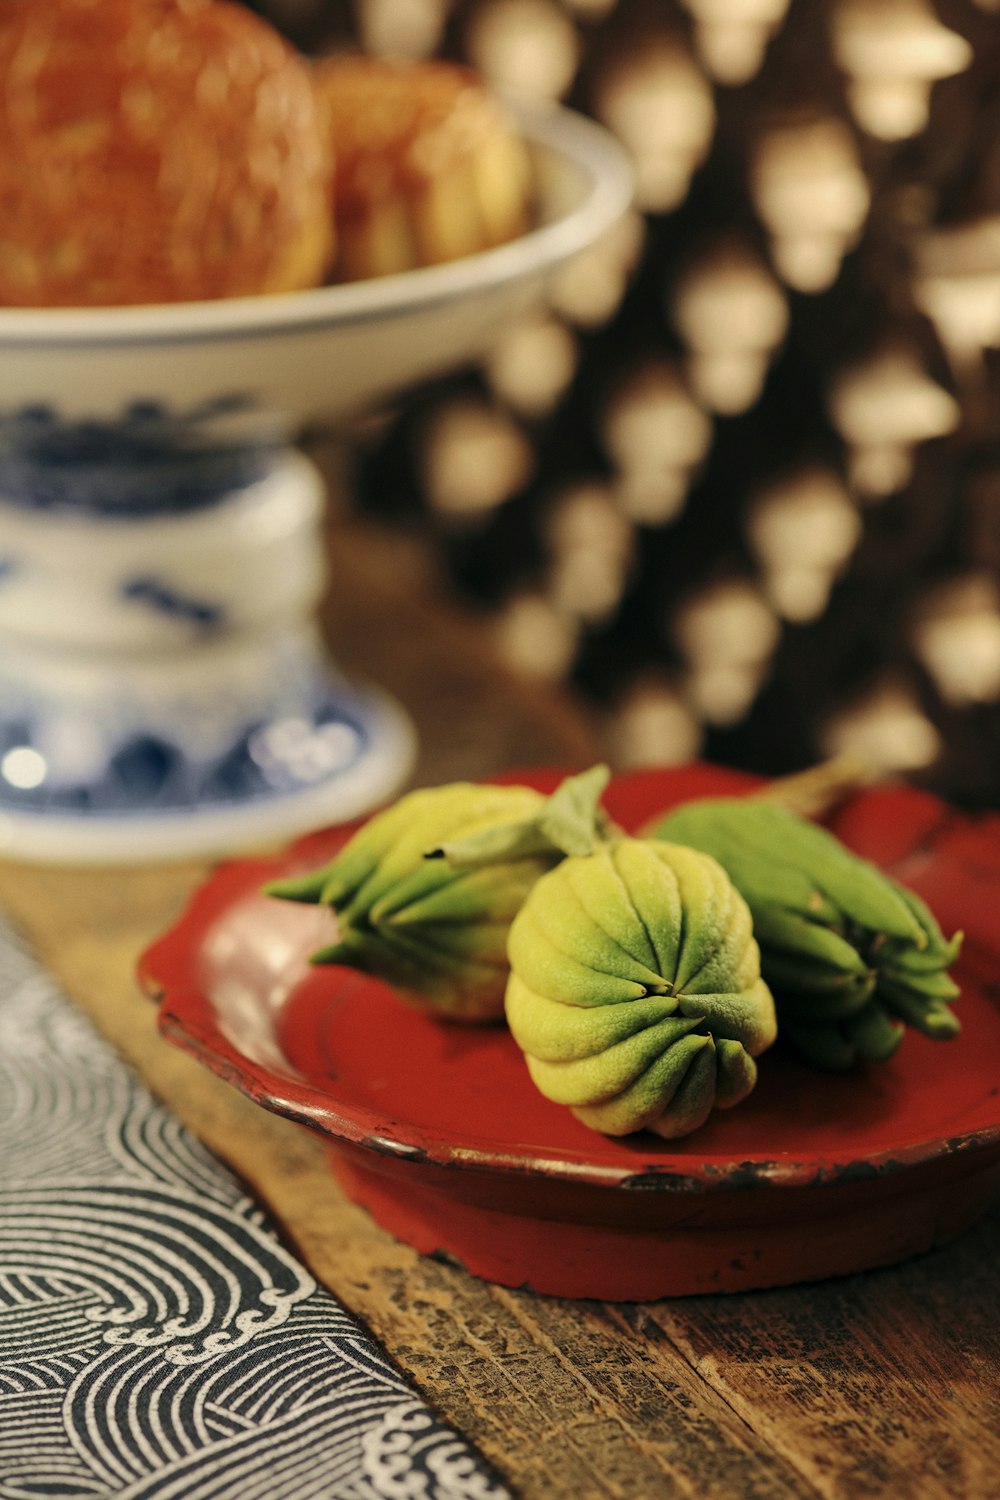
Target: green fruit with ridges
850 954
547 959
635 991
423 893
874 1032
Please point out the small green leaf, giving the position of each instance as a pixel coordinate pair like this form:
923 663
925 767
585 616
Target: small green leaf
491 846
570 822
571 818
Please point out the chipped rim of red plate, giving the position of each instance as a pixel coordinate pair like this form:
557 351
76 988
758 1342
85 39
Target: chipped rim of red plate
545 1207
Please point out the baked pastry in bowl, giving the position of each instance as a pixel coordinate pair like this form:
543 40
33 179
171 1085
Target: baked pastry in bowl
156 151
429 167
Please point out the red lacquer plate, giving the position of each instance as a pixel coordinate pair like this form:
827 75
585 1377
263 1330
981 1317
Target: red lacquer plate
439 1132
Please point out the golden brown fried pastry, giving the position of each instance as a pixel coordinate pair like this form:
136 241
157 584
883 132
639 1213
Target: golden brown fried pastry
156 151
429 167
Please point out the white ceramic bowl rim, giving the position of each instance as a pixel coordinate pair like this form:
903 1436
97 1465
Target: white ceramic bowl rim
580 142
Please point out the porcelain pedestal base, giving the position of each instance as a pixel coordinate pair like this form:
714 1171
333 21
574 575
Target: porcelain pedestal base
164 691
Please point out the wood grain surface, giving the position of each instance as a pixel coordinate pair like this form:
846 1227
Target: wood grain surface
878 1385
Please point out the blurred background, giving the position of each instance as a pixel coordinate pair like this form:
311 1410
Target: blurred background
738 486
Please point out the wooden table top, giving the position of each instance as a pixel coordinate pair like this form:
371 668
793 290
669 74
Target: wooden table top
875 1385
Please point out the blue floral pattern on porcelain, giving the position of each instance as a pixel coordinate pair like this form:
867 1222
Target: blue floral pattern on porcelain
150 461
148 772
163 599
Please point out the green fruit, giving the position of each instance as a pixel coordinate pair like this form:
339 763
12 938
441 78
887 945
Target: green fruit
635 991
423 894
852 956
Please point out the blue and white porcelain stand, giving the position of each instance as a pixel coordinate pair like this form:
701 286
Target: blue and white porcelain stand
163 687
163 684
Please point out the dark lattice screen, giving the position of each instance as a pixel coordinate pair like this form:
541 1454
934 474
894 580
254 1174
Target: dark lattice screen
740 483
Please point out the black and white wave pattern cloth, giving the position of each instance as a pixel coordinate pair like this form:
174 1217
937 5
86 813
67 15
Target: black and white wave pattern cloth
156 1340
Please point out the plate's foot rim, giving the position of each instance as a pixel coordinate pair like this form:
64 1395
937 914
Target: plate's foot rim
586 1260
254 819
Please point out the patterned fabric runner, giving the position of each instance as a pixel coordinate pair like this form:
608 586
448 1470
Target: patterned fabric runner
155 1337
